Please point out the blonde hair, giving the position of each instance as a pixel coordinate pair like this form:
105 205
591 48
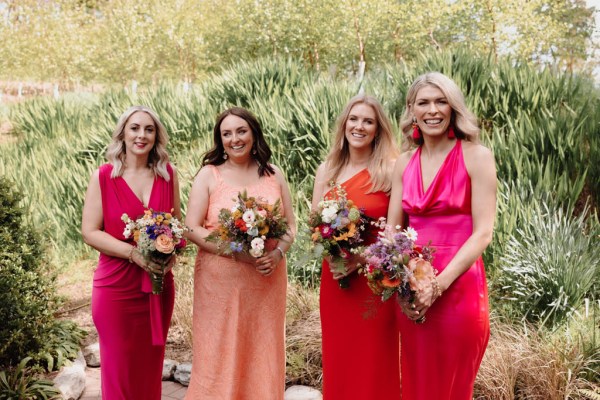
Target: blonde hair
384 148
158 158
464 121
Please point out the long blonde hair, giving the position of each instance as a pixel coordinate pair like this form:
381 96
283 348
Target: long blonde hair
463 120
384 148
158 158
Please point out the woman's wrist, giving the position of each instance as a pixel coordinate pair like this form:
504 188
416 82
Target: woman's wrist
281 252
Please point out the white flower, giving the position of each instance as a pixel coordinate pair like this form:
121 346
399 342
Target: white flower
234 208
256 252
329 214
257 243
126 233
248 217
410 233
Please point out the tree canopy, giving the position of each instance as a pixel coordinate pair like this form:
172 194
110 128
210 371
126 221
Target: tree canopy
116 41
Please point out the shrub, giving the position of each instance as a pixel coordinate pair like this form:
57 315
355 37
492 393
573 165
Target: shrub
551 264
26 290
22 383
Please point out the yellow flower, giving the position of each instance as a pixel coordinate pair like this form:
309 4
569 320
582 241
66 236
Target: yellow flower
236 214
344 236
264 230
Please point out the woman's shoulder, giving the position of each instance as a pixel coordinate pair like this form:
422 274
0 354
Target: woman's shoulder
476 151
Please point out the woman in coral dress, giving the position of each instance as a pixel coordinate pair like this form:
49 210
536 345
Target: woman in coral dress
239 302
132 322
360 338
446 190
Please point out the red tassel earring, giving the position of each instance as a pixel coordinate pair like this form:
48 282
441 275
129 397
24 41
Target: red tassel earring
451 134
416 133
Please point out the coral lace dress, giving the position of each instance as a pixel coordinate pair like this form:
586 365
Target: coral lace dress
440 357
239 316
360 336
132 323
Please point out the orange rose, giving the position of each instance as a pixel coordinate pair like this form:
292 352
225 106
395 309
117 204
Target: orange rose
164 244
422 273
390 283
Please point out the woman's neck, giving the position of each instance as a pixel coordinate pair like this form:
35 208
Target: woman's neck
136 163
433 146
359 158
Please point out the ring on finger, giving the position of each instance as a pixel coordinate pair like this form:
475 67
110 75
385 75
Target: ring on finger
412 306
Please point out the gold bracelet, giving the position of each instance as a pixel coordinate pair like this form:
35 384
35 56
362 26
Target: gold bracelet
131 254
437 291
280 251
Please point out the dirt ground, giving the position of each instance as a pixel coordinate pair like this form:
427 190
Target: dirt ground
76 289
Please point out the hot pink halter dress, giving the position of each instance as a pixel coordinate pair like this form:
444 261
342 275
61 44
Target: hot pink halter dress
440 358
132 323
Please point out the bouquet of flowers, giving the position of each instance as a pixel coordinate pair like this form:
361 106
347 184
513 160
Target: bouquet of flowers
336 230
248 225
396 264
157 235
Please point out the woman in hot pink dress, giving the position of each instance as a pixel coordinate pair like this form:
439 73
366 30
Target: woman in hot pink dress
446 190
132 323
239 301
360 338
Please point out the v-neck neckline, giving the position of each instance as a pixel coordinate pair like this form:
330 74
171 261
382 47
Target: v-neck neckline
135 195
436 176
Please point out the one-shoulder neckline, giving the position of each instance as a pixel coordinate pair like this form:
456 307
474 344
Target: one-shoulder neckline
437 174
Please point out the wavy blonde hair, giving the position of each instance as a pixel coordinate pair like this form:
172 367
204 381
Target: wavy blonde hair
463 120
158 157
384 147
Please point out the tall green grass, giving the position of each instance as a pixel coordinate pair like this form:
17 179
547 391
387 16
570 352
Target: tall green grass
542 126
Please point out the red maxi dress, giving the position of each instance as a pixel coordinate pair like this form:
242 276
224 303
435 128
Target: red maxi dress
440 358
132 323
360 336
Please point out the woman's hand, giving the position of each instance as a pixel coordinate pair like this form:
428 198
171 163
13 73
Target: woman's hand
422 301
143 263
354 262
266 264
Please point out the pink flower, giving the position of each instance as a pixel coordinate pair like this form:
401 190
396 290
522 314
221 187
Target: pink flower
326 231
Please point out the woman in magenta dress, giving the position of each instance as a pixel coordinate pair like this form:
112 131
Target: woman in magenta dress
446 190
360 338
132 323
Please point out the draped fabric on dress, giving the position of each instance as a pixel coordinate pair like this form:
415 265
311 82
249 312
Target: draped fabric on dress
440 357
132 323
239 316
360 336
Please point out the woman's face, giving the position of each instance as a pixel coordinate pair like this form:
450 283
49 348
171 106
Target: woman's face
361 126
432 111
237 137
139 134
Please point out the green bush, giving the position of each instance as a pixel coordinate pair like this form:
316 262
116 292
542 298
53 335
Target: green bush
22 383
551 264
26 290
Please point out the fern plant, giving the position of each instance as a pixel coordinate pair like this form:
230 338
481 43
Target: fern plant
22 383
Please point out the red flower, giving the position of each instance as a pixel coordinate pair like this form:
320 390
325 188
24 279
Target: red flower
241 225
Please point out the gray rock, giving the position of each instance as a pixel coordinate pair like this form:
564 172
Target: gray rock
183 373
71 379
169 367
92 355
299 392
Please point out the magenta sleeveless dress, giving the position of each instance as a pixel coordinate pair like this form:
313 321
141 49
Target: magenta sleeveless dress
440 358
239 315
132 323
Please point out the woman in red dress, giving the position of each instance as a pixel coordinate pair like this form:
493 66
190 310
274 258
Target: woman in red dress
132 322
445 188
360 337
